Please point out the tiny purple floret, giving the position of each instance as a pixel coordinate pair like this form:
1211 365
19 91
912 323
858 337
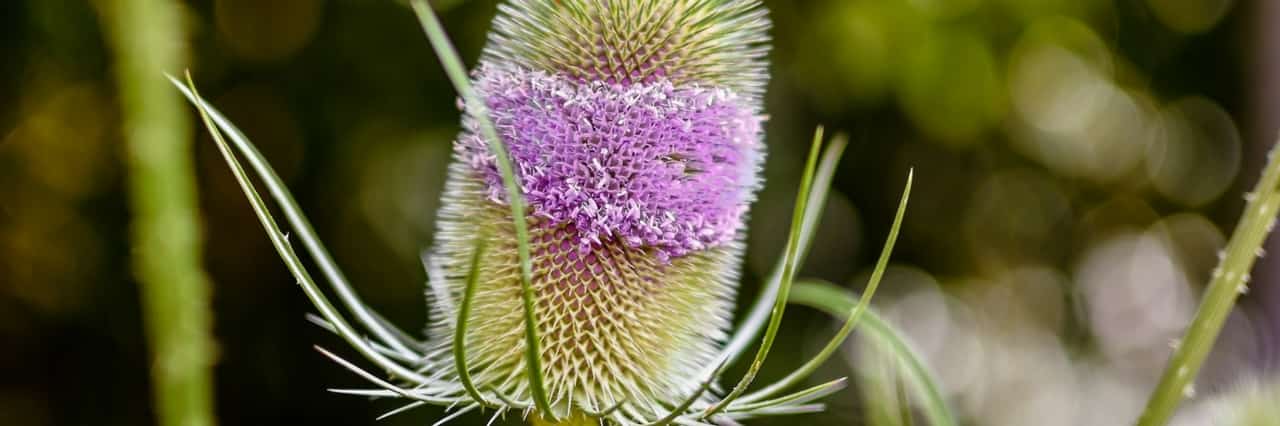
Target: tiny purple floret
648 164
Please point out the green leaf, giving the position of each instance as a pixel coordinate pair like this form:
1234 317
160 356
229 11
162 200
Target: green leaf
801 397
851 320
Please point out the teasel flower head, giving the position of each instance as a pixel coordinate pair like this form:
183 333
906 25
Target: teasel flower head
634 129
586 260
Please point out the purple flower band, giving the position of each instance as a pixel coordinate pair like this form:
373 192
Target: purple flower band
648 164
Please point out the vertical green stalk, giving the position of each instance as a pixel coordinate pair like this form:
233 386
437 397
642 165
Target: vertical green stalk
147 39
1230 279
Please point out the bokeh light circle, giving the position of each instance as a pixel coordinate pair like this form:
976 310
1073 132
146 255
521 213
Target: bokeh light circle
951 88
1189 16
1193 152
1137 296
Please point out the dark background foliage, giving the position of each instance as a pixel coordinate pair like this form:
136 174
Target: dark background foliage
1078 164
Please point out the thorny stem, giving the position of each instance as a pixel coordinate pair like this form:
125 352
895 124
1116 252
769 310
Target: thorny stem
1230 279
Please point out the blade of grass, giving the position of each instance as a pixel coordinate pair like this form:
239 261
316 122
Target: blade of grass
781 411
1229 280
746 332
147 37
285 250
385 333
851 320
458 76
836 301
784 286
460 326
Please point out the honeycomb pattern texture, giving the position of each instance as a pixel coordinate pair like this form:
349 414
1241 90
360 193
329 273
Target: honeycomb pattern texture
721 43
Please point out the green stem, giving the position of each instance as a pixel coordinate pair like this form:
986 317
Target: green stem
1230 279
147 39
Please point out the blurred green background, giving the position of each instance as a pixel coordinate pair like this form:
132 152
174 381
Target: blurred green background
1078 166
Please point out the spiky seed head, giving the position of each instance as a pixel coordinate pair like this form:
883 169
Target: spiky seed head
635 131
721 43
